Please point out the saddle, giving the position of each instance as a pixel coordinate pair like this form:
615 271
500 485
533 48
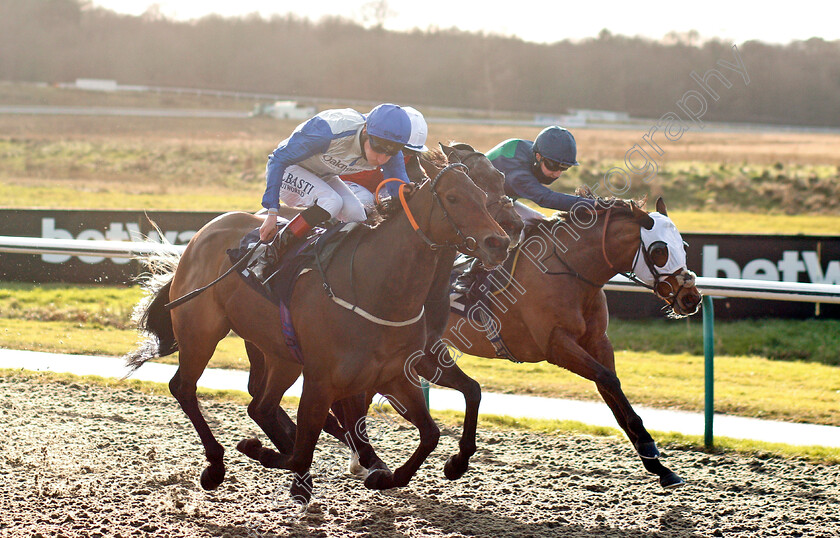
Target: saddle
274 278
486 282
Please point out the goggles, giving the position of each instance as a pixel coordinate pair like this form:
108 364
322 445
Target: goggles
384 147
554 166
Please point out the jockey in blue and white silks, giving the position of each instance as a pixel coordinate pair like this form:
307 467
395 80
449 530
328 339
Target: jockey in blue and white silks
304 169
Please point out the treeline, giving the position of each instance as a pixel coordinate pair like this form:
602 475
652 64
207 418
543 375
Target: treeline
61 40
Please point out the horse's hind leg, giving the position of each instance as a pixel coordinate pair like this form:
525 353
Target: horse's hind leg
276 376
195 352
279 428
439 366
408 400
352 413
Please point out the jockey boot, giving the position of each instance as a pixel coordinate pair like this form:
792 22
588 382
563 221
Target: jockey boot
297 229
465 280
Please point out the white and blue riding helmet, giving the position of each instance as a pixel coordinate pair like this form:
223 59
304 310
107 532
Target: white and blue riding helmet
419 130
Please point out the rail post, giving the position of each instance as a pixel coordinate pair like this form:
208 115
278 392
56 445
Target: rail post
424 384
709 352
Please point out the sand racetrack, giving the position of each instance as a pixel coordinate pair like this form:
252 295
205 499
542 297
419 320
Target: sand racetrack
84 460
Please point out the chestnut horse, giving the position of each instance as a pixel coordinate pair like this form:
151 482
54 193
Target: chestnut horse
389 269
561 316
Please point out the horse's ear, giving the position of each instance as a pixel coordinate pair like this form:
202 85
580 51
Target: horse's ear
430 168
449 151
462 146
641 216
660 206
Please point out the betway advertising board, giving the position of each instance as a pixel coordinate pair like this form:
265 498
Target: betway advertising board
764 257
176 227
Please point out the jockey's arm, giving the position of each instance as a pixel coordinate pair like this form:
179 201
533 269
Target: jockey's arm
527 186
312 138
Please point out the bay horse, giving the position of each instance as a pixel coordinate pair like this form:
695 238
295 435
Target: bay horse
432 361
561 316
389 269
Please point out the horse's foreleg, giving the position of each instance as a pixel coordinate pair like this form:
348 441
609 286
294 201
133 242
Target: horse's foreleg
439 366
352 413
408 400
315 401
565 352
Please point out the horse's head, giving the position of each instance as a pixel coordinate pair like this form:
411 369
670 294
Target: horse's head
492 181
660 261
458 216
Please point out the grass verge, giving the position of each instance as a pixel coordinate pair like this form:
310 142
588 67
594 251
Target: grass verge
751 386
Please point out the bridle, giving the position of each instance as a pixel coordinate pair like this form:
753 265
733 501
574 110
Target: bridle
468 243
504 200
683 277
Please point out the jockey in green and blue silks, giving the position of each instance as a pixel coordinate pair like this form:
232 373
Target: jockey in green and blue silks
530 166
304 169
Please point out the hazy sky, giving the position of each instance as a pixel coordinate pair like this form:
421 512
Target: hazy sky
545 20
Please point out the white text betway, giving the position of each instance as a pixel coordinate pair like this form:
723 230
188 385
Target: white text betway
117 231
788 269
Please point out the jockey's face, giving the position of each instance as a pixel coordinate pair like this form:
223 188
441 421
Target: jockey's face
550 168
377 155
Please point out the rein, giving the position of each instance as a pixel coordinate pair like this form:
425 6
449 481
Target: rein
629 274
468 243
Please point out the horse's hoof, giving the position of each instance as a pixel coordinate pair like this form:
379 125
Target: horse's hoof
250 447
671 481
379 479
647 450
453 470
355 468
272 459
301 490
212 476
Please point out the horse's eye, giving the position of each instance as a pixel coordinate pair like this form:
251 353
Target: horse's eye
451 198
658 253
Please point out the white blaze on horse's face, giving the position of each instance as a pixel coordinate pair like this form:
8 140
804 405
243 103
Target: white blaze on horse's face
665 231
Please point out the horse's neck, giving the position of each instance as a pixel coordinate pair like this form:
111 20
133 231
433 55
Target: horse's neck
394 268
620 244
599 257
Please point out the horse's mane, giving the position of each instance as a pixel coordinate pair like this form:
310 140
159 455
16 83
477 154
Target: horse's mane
602 204
434 156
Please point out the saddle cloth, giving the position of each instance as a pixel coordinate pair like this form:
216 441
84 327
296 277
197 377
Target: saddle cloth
486 282
275 279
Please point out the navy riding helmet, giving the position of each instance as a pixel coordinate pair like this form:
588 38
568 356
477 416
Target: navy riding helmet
557 144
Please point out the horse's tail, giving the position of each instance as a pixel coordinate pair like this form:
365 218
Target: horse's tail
155 321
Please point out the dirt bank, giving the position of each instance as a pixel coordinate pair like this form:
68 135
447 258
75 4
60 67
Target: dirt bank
80 460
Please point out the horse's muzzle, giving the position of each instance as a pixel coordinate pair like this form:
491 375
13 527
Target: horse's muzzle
496 249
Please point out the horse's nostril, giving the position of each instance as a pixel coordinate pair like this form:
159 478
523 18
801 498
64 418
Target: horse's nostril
497 242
